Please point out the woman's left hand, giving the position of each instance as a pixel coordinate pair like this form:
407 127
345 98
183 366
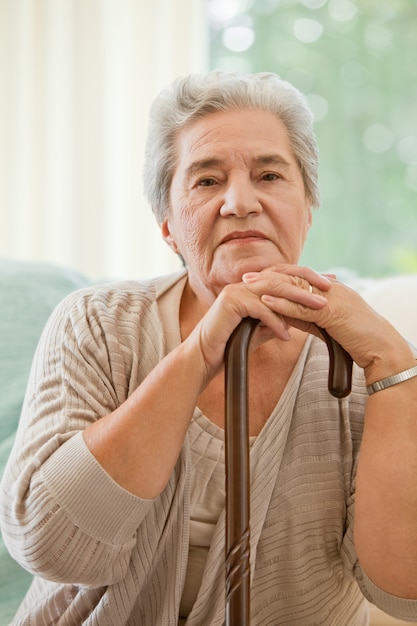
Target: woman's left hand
358 328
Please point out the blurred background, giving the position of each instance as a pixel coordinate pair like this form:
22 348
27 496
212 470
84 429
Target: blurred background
77 78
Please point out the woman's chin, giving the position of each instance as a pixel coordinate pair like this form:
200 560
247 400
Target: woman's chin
233 272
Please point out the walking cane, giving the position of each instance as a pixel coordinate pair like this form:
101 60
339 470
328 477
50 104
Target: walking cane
237 459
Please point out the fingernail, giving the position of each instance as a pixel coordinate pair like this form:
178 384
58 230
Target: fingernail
319 299
250 276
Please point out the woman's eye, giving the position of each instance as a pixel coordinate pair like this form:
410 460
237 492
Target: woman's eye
207 182
270 176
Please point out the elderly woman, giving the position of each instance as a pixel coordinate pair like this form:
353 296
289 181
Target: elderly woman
114 494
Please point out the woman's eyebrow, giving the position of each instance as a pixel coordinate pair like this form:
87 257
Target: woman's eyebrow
272 159
201 164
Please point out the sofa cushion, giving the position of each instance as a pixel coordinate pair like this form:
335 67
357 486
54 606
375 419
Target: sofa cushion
396 299
28 293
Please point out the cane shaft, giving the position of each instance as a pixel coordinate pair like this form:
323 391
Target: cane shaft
237 476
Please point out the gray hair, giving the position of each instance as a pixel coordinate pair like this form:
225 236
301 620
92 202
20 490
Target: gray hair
191 97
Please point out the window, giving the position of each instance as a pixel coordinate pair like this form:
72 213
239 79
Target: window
356 62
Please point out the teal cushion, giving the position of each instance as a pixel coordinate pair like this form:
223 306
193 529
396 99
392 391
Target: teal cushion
28 294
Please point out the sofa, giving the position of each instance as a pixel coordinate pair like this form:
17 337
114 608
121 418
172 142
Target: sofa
28 294
29 291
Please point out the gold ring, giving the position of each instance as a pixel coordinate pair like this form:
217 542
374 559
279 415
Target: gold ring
310 288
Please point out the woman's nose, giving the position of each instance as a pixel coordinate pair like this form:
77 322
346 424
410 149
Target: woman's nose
240 199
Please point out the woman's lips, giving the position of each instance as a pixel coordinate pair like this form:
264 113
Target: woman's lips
243 236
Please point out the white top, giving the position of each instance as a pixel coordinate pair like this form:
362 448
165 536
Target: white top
207 499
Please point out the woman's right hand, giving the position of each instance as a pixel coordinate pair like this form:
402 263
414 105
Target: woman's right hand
236 302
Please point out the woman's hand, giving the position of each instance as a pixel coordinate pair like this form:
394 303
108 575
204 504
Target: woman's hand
245 299
369 338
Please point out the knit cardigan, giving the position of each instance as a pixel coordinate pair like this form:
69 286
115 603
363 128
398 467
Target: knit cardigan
102 556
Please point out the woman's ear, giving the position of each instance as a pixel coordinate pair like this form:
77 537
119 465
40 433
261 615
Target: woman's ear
167 237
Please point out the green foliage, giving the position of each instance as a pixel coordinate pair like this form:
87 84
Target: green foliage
357 64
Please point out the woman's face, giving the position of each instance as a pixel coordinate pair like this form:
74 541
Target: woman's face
237 198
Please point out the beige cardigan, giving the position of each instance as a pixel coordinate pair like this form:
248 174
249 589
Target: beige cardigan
105 557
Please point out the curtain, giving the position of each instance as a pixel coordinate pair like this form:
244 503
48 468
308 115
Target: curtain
77 78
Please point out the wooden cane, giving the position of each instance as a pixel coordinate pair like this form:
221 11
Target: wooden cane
237 475
237 459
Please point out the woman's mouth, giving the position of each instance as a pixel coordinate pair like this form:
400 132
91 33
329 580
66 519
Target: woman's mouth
243 236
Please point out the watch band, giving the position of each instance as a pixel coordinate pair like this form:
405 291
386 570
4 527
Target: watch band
392 380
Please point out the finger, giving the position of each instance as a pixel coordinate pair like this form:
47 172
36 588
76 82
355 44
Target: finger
289 287
307 327
233 304
263 334
321 281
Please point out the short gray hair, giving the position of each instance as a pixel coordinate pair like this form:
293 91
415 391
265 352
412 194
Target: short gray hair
191 97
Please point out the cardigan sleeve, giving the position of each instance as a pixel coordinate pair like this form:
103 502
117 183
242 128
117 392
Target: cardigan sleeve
63 516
